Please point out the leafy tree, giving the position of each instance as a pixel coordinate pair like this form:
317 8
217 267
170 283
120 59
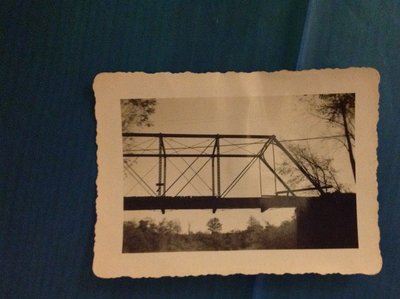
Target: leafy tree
167 235
339 111
147 225
136 113
214 225
253 224
137 238
169 227
319 169
254 233
283 236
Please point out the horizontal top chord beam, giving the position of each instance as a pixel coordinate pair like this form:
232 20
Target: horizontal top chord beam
192 155
169 135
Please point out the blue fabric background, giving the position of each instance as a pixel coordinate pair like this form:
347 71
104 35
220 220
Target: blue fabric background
52 50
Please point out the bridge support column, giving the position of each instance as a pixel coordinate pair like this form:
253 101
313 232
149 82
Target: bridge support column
330 222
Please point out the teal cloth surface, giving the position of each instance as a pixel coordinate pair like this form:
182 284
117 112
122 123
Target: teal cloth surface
52 50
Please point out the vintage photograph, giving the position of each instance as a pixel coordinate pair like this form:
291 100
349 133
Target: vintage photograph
275 170
240 173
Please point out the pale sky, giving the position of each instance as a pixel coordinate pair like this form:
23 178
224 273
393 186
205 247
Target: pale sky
286 117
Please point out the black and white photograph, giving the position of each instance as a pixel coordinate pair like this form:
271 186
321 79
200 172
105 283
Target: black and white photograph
239 173
277 170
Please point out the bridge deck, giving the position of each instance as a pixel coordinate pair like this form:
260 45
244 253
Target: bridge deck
209 202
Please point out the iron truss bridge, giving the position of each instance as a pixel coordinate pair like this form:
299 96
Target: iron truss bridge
204 154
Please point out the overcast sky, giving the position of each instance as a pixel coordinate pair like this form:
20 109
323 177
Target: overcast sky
286 117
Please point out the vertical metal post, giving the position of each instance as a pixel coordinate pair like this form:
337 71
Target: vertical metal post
273 160
218 167
165 168
159 185
260 176
212 176
213 168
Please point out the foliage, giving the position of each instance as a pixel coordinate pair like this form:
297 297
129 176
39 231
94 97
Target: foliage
214 225
136 113
319 169
147 236
253 225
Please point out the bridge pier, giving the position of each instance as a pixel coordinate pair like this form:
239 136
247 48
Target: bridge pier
330 222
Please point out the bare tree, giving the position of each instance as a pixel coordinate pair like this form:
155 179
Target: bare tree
318 168
339 111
